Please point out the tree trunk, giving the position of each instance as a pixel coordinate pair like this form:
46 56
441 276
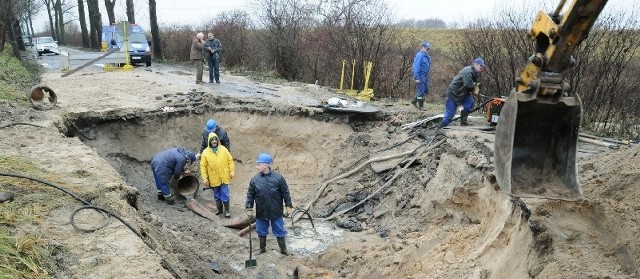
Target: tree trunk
83 25
12 36
61 33
48 3
155 31
4 15
95 24
110 4
130 12
31 23
56 24
17 33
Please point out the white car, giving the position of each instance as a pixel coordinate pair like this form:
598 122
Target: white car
46 45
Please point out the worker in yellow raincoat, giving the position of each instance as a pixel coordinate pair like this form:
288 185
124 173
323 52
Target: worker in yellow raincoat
216 171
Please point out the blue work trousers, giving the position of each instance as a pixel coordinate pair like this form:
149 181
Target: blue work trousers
221 193
451 106
214 68
277 227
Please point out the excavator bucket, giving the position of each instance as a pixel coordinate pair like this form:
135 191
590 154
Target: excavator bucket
535 147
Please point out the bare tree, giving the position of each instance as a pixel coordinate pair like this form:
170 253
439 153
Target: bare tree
110 5
131 17
155 31
285 22
360 30
83 25
48 4
60 22
232 28
95 24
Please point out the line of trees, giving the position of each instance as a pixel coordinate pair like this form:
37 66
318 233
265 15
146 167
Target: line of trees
306 40
16 20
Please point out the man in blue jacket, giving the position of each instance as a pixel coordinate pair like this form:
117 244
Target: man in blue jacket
167 164
421 68
269 191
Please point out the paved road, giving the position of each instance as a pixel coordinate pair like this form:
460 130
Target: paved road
72 58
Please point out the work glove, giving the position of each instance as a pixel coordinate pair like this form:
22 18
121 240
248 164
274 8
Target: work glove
232 175
476 89
198 156
287 211
205 182
249 212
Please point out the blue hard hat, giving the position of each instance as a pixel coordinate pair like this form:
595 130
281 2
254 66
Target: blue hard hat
191 156
264 158
211 125
426 44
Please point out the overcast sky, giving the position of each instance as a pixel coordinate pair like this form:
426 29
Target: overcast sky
460 11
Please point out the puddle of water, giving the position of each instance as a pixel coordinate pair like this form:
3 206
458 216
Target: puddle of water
304 240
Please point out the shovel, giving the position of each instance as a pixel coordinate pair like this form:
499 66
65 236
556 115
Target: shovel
250 262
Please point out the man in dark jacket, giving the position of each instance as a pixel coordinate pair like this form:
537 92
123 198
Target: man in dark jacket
212 50
167 164
269 191
459 91
212 127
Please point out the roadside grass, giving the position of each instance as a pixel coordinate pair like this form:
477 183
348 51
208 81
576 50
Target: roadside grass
23 253
17 77
22 256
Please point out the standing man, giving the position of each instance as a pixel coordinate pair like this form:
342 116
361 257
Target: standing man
167 164
213 48
269 191
197 55
212 127
421 67
458 92
217 170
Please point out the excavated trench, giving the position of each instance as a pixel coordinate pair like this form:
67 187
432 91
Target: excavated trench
445 217
306 150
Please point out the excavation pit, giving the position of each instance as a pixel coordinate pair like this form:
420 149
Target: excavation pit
305 151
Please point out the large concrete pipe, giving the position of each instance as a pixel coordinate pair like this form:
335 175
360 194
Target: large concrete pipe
37 97
187 185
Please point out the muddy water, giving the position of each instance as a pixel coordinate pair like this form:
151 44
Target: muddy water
303 239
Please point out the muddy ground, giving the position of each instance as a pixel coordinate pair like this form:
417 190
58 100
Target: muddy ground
445 217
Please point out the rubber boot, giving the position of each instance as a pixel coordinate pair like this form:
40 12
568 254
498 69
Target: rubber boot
283 246
219 206
227 214
169 199
263 244
441 125
160 197
421 104
463 118
414 102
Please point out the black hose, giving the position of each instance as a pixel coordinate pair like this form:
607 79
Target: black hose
88 205
298 209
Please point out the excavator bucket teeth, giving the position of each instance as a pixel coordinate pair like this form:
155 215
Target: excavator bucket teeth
535 147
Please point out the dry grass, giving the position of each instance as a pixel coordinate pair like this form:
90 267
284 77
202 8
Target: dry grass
23 256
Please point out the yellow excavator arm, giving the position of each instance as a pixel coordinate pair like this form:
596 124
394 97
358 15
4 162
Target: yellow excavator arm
537 134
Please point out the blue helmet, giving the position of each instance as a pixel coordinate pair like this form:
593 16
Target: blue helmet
191 156
264 158
211 125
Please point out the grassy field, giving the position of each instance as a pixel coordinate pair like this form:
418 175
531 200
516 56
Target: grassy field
16 77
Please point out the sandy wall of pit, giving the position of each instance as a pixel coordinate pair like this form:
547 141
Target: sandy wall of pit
305 151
